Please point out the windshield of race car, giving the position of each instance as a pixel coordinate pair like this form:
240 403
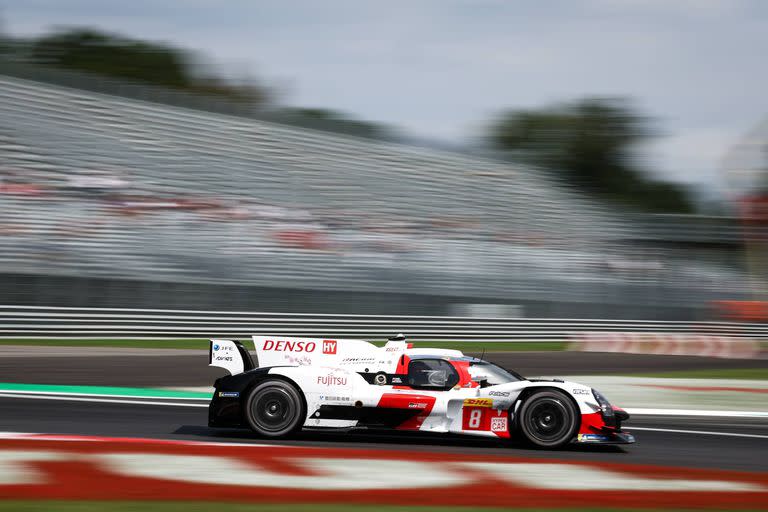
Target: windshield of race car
489 374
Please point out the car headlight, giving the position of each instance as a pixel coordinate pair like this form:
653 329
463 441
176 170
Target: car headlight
606 409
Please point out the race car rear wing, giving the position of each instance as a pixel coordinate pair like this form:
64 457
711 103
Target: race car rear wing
230 355
332 353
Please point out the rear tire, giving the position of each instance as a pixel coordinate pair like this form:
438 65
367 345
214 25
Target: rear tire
548 419
275 409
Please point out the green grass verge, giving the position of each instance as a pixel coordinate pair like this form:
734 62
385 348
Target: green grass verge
735 373
518 346
203 344
156 506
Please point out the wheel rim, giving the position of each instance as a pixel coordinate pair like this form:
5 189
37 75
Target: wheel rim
548 420
273 409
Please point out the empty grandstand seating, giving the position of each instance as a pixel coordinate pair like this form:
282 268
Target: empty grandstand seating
345 212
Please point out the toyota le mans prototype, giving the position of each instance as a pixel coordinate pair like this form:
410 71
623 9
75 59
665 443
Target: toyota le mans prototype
314 383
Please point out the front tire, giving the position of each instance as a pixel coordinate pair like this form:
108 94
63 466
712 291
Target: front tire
274 409
548 419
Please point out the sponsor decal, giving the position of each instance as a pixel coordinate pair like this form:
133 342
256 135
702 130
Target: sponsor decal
328 398
475 418
587 438
289 346
417 405
358 360
397 380
331 380
329 346
223 353
299 360
581 391
229 394
499 424
498 393
478 402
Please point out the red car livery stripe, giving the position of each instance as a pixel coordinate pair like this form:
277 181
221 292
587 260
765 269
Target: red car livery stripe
591 423
421 404
465 379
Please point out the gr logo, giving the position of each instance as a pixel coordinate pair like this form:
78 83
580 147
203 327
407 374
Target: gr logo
329 346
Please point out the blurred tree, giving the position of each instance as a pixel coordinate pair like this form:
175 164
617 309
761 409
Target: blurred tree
89 50
590 144
95 51
85 49
337 121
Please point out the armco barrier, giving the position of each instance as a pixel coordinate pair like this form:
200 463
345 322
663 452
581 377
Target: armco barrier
68 322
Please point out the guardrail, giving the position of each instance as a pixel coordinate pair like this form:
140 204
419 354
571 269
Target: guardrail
69 322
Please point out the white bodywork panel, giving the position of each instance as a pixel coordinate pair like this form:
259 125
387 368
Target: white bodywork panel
354 354
224 354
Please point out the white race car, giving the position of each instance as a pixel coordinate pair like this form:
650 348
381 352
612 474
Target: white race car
313 383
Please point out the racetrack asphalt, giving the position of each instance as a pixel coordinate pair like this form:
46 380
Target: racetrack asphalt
189 423
189 368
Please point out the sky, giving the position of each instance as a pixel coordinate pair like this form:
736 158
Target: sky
442 69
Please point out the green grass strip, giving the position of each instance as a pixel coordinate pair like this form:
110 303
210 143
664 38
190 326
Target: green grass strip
527 346
493 346
723 373
10 387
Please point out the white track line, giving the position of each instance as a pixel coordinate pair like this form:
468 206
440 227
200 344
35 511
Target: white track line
704 432
101 400
696 412
42 436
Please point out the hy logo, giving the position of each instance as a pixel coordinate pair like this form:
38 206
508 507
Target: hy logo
329 346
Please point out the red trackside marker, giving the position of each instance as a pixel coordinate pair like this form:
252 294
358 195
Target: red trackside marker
117 469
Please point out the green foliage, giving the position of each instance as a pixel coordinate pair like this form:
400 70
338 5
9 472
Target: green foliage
89 50
336 121
590 144
123 58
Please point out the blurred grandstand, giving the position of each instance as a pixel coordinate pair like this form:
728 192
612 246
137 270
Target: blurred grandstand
111 200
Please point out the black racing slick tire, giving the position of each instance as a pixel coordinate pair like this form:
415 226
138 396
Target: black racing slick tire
548 419
275 409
